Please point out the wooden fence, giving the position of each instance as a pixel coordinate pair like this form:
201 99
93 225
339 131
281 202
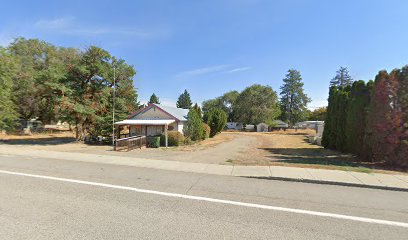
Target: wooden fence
130 143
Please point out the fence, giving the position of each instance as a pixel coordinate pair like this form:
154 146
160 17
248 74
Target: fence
130 143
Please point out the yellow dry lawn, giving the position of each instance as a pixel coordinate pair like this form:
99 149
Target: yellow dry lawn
37 136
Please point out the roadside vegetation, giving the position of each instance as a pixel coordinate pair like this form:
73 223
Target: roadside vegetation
50 83
370 119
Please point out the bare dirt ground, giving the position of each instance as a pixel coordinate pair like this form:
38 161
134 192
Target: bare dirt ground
286 148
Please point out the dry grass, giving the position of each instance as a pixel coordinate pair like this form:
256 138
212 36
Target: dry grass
36 136
291 148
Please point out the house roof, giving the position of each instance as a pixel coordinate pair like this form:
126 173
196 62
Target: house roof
145 122
279 123
262 123
176 113
179 113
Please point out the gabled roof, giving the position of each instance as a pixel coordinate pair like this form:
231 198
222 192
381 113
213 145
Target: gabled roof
145 122
176 113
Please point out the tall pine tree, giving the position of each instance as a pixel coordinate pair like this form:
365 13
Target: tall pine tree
342 78
184 100
154 99
293 100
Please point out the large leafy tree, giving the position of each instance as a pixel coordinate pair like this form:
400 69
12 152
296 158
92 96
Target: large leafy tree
154 99
8 69
342 78
225 102
184 100
293 100
38 85
256 104
318 114
88 102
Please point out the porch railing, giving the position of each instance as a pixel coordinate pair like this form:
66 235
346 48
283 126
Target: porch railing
130 143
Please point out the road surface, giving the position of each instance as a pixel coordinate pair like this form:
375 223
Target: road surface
57 199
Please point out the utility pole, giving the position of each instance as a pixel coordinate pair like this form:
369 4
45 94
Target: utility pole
113 106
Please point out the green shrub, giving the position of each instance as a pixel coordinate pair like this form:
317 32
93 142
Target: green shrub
216 119
174 138
153 141
193 128
206 131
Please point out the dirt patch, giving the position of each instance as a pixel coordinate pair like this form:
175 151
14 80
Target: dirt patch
38 138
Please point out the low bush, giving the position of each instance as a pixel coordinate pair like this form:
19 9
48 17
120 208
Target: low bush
206 131
174 138
188 141
153 141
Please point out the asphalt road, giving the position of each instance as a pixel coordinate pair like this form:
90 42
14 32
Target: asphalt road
80 206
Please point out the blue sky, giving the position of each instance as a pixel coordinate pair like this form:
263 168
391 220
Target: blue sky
211 47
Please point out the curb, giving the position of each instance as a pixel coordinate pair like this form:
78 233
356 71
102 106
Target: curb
331 183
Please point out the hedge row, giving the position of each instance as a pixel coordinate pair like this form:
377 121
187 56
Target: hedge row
370 120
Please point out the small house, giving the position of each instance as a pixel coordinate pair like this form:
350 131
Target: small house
152 120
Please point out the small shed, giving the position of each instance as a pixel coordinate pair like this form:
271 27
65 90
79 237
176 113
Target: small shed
262 127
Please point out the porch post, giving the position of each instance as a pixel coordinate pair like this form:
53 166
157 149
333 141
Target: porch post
165 134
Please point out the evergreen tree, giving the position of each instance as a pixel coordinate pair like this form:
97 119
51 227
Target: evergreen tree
329 133
193 129
8 113
198 109
216 118
88 102
342 100
356 116
39 84
402 151
184 100
381 125
342 78
293 100
154 99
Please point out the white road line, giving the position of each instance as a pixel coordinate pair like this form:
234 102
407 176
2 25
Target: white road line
214 200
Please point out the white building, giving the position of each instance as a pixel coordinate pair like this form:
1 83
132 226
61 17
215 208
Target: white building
153 120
